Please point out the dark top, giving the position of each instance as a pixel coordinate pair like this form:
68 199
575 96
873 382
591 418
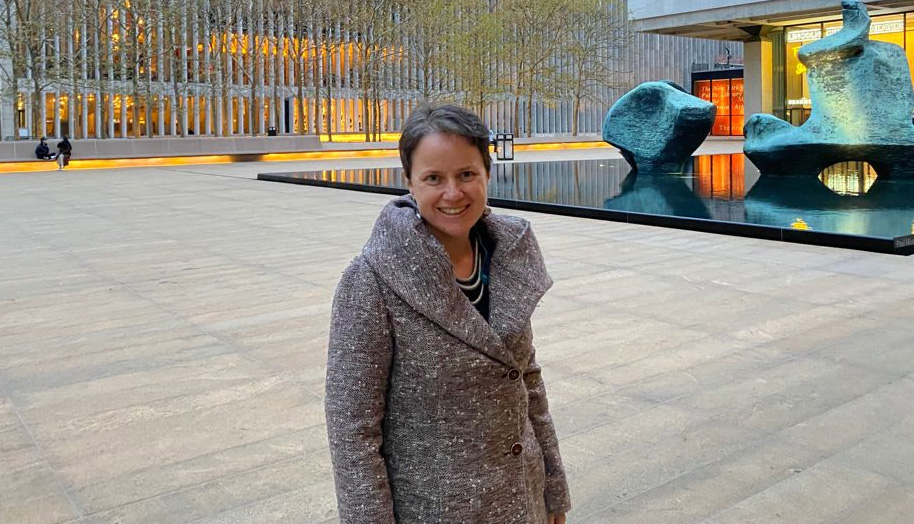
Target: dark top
42 151
64 147
476 287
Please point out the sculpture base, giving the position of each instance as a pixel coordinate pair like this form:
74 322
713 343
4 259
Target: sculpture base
889 160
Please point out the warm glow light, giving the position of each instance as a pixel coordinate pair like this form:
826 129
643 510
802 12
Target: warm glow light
800 224
34 166
357 137
77 164
560 146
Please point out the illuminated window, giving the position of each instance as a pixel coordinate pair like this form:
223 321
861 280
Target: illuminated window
727 95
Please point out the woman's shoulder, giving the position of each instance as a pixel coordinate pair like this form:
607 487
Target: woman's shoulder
358 270
358 282
510 231
509 223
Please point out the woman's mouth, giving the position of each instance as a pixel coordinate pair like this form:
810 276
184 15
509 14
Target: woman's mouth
453 210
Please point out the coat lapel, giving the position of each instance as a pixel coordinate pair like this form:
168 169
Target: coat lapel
518 278
414 265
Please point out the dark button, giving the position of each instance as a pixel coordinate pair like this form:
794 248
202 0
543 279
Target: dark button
516 449
514 374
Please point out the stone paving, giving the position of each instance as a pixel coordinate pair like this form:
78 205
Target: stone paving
163 336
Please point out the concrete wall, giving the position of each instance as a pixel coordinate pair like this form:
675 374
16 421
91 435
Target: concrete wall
654 15
654 8
165 147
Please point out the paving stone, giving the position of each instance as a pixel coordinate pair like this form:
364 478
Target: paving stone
852 422
701 492
888 452
605 484
893 505
823 493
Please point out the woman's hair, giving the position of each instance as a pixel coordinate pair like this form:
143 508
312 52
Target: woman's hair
449 119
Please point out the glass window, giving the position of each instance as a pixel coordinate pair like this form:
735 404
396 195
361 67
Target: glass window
720 95
736 97
736 106
889 28
909 38
721 125
702 89
797 88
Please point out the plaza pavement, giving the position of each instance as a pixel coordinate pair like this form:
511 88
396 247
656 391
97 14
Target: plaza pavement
163 335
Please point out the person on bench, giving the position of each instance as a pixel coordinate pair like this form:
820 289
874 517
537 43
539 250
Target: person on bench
42 151
64 150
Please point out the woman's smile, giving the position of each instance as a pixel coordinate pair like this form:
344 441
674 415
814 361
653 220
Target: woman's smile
453 211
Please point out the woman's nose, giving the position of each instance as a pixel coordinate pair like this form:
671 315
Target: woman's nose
452 189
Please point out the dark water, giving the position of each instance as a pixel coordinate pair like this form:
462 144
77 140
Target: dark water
847 199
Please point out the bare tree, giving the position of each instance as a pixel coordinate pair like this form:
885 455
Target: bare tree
312 44
473 55
428 36
374 29
599 37
28 31
533 35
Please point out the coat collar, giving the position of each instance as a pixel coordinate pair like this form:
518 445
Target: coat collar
415 266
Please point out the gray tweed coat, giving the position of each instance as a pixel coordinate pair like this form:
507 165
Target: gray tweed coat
433 414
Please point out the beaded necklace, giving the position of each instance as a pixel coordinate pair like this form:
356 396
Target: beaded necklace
474 286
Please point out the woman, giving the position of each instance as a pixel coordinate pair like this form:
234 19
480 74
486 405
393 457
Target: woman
436 411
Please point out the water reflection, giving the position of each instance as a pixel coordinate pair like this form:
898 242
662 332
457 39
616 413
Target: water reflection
719 187
658 195
849 178
886 209
583 183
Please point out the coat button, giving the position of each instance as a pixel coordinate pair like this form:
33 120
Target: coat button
514 374
516 449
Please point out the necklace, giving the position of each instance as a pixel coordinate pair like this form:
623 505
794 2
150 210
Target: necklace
473 286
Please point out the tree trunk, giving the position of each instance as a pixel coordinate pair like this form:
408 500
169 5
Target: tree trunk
516 127
574 115
528 127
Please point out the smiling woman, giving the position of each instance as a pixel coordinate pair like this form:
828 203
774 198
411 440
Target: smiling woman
449 183
436 409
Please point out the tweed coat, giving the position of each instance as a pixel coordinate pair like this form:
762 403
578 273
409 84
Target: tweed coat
434 414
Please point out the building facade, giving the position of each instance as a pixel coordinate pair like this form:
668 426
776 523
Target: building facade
158 68
772 32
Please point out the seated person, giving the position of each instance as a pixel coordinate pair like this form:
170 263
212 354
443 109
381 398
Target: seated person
64 150
42 151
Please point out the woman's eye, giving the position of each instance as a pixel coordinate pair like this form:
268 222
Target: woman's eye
432 179
467 175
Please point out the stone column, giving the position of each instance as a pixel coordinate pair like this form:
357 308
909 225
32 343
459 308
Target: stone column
758 77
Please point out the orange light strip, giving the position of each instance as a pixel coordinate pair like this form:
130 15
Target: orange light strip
357 137
560 146
114 163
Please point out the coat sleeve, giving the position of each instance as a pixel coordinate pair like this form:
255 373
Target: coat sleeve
558 499
358 365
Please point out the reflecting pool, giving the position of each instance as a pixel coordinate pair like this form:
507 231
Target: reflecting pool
721 193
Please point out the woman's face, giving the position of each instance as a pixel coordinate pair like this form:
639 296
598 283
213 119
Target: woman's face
449 182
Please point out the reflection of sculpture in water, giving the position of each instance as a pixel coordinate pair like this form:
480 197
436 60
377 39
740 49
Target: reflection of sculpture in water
657 194
861 108
884 209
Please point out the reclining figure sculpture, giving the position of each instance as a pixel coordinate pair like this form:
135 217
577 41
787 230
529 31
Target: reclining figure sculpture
657 126
862 103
